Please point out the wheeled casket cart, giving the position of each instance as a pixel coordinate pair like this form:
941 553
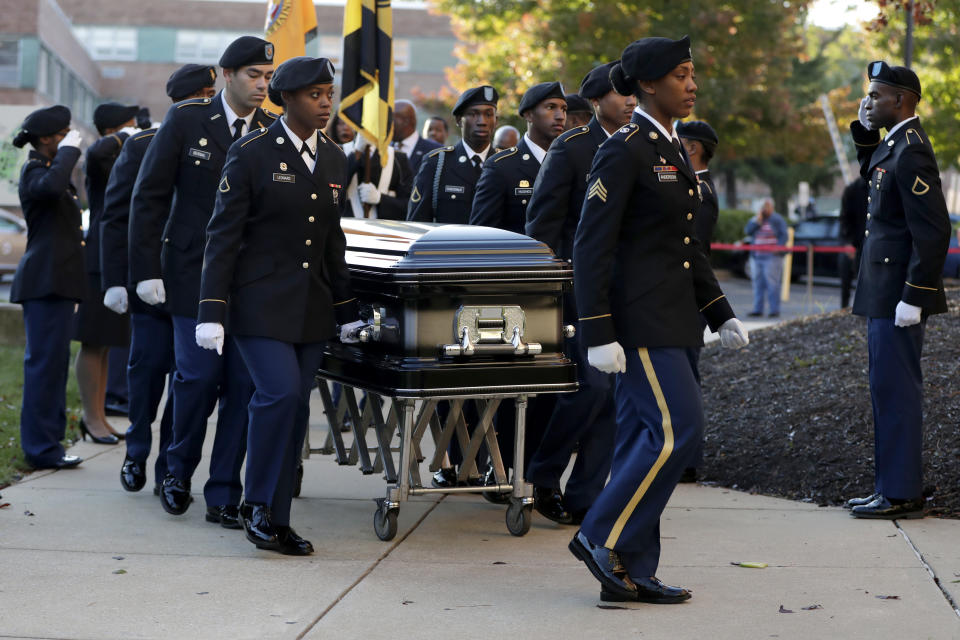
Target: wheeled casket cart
455 314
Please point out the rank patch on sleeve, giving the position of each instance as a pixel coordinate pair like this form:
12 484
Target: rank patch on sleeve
224 185
415 196
919 187
597 189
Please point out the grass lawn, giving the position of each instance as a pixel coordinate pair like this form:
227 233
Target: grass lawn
12 464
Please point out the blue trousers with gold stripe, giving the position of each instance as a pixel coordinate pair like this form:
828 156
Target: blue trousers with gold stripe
896 389
659 429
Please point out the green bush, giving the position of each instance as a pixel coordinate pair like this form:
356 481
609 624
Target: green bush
730 224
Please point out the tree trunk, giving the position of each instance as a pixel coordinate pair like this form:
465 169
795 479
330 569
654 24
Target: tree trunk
730 177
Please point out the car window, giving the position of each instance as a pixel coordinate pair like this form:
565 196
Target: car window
6 226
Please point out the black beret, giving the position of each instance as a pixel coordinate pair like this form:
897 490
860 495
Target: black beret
698 130
297 73
113 114
577 103
245 51
42 122
648 59
538 93
143 118
189 79
596 83
899 77
477 95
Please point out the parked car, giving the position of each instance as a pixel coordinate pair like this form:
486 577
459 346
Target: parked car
13 241
819 231
951 268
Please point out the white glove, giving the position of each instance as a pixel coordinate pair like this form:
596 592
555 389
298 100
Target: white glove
733 334
608 358
72 139
348 332
907 314
129 130
368 193
152 291
115 299
209 335
862 115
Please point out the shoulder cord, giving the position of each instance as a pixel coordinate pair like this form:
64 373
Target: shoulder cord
436 182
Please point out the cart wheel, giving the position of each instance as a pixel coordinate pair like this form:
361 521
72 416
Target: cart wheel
385 523
519 517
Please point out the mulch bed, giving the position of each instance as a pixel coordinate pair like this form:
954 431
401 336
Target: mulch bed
790 415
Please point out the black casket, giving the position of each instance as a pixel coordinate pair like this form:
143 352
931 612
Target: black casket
453 310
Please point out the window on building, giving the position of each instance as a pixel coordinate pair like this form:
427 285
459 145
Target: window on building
401 54
108 43
331 47
9 63
202 47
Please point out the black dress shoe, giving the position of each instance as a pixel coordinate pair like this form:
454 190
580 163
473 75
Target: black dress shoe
132 475
605 566
445 478
227 515
755 314
298 481
65 462
291 543
856 502
549 502
175 495
648 590
882 509
258 526
689 475
496 497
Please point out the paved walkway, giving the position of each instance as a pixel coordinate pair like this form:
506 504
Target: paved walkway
81 558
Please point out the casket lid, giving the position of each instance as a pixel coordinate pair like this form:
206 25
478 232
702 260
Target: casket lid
416 247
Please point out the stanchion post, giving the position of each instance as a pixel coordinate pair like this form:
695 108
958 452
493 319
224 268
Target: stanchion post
810 273
787 268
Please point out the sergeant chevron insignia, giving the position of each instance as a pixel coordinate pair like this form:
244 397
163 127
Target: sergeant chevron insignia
919 187
224 185
597 189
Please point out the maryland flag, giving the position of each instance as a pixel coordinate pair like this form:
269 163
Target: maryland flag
367 90
290 25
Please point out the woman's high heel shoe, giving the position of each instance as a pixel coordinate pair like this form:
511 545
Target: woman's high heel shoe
108 439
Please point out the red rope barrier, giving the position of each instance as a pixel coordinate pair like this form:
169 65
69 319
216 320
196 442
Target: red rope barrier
803 248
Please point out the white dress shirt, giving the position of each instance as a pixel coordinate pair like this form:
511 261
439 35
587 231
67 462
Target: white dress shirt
311 143
231 117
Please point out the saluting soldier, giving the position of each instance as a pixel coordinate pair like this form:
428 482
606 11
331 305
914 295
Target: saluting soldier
172 201
49 281
275 274
584 420
506 181
900 285
444 187
641 283
151 329
96 328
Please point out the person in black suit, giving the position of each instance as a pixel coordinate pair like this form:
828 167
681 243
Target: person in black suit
584 420
641 282
172 202
435 128
386 193
151 340
49 281
444 186
853 222
900 282
274 273
96 328
405 136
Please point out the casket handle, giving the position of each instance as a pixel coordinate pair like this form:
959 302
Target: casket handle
522 348
569 331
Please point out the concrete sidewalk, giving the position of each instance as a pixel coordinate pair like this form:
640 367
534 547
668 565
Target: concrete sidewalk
81 558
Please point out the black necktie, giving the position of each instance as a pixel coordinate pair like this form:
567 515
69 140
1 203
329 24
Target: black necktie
238 128
477 165
676 144
305 149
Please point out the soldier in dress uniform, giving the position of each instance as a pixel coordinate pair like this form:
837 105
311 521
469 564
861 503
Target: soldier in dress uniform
900 285
444 186
49 281
151 339
641 283
275 274
585 420
387 191
700 142
579 111
96 328
172 202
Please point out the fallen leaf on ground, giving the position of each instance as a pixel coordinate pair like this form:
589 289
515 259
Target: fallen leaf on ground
118 557
407 602
610 606
750 565
782 610
28 513
202 593
120 571
499 562
812 607
4 505
887 597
